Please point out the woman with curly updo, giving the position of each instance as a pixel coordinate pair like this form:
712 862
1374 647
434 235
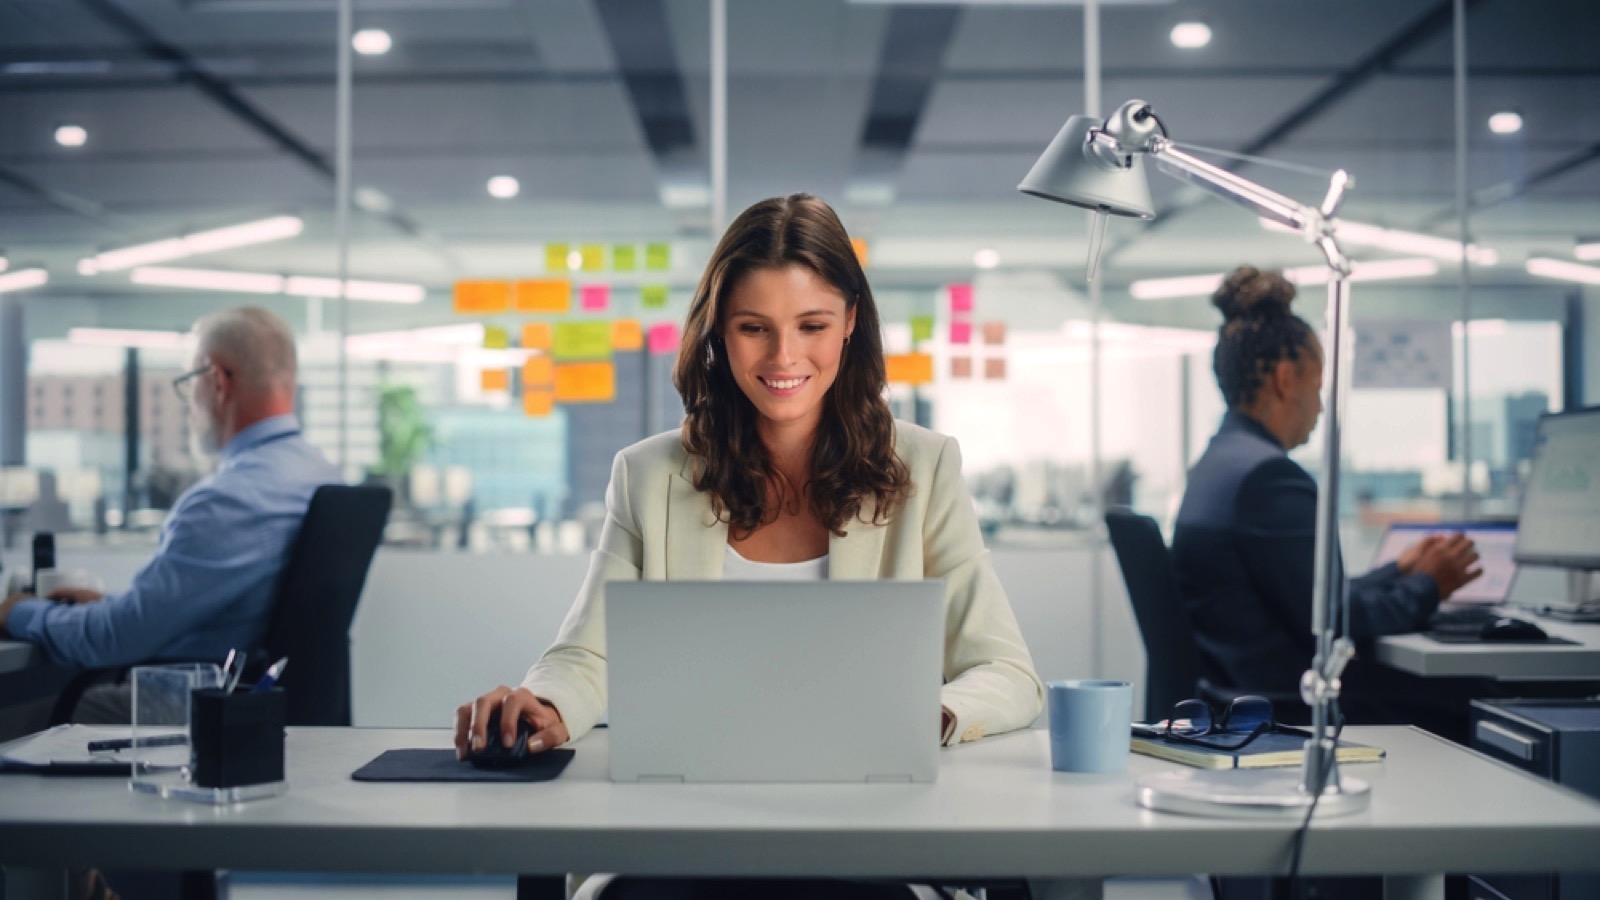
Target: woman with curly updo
1244 543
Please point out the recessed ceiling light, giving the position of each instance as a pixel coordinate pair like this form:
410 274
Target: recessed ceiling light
1506 122
371 42
987 258
71 135
504 187
1191 35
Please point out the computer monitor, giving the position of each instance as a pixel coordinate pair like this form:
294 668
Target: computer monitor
1560 520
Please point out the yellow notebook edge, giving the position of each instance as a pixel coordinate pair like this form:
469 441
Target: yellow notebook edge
1201 758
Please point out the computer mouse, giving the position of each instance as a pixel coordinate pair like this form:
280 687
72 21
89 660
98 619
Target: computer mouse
496 755
1509 629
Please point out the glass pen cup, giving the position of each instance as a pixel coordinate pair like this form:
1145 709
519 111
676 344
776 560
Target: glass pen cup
162 756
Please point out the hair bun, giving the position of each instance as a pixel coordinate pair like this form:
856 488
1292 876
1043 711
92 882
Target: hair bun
1249 293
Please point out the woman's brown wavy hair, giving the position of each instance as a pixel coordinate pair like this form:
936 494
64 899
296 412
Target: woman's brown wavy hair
853 454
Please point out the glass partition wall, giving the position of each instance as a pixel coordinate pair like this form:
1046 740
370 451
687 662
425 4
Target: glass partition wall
531 204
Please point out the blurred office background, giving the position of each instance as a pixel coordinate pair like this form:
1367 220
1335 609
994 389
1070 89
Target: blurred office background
534 190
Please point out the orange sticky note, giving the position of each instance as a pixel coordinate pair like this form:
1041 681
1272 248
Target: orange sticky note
586 382
536 336
544 295
538 373
860 246
495 380
994 368
626 334
473 298
538 404
909 368
994 332
960 367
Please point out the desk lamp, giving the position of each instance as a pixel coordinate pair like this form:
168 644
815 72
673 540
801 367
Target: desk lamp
1097 165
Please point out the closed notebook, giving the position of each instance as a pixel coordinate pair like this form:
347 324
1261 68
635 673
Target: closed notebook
1283 747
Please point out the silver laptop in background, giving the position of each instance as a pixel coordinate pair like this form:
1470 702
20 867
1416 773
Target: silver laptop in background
774 681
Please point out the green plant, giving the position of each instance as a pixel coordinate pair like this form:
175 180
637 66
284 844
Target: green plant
403 430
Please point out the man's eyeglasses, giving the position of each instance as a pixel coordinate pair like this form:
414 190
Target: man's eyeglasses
1193 721
183 385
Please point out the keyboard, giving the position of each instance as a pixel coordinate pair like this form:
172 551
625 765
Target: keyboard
1468 620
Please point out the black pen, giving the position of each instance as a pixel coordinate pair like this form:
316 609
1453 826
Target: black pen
159 740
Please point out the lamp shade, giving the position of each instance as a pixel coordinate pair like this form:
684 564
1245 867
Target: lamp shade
1067 173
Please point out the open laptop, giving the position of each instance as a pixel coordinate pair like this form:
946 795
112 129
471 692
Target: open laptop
1495 542
774 681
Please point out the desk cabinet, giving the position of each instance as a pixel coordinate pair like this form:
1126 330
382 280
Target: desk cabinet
1554 739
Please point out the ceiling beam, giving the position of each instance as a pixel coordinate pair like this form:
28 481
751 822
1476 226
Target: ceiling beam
910 62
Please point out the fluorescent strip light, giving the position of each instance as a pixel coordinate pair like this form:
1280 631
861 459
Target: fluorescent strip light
121 337
1361 235
22 279
1563 270
1481 328
208 280
267 283
1586 252
1205 285
1182 286
376 291
468 334
249 233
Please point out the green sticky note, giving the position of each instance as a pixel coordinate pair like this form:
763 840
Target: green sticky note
555 257
624 257
921 329
582 340
658 257
653 296
495 338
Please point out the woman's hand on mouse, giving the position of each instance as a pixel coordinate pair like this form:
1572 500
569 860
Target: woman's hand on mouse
472 720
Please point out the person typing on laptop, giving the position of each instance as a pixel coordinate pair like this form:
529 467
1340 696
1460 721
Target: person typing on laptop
789 464
1244 543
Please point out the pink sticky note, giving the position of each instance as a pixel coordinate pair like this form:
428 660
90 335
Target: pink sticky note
664 337
960 332
961 298
596 297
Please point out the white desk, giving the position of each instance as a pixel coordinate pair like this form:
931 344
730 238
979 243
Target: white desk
996 810
1422 655
18 655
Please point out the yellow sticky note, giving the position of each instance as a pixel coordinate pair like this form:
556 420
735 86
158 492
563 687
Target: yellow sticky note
476 298
626 334
653 296
582 340
594 257
536 336
495 380
538 404
624 257
555 258
538 373
909 368
495 338
860 246
544 295
589 382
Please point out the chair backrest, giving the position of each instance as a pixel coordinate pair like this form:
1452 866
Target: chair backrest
317 596
1172 666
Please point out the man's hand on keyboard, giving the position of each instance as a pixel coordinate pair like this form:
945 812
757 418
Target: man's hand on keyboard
1451 562
1413 554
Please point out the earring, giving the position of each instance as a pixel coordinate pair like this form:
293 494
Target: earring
847 340
711 355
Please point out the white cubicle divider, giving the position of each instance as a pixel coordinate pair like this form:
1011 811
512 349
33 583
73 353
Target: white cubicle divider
437 628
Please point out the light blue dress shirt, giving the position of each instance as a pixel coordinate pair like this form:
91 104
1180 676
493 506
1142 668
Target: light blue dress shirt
210 585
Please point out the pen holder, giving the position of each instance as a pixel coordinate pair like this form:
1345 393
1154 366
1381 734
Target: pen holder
237 737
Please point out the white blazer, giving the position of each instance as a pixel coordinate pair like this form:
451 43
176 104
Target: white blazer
658 527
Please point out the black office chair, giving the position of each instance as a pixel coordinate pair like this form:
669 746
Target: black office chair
1172 658
315 602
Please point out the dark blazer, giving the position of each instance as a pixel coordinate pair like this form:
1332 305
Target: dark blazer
1244 547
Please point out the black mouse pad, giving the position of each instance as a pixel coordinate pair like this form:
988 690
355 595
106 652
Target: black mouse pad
1445 637
442 765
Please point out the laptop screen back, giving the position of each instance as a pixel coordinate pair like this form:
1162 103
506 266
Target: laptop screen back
1495 542
774 681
